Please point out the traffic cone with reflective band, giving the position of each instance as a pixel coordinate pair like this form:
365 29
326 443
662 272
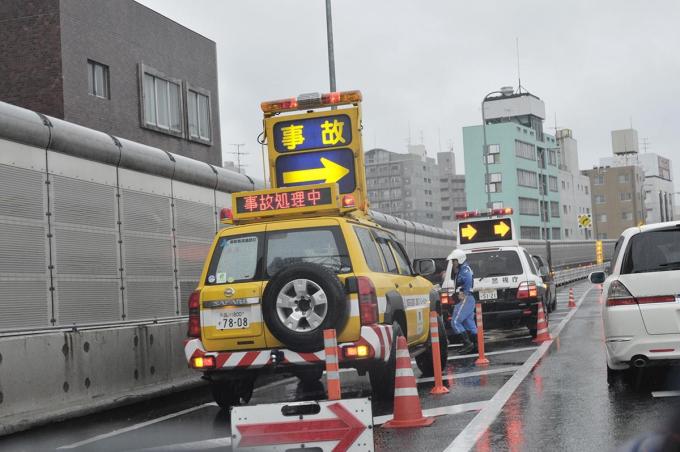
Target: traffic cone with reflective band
481 361
439 387
407 411
542 333
332 368
572 303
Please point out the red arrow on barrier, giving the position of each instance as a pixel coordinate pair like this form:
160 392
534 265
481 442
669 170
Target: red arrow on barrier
346 428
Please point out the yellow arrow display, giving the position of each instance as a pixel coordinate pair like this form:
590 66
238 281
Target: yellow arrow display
468 232
330 173
501 229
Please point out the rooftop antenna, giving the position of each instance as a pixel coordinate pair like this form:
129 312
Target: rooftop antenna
645 144
409 133
238 154
519 76
421 137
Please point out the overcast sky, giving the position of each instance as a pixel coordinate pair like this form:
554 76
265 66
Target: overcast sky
596 64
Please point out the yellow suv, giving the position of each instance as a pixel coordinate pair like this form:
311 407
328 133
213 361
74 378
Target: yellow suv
270 287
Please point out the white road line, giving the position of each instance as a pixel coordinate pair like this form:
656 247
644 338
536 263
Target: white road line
478 373
163 418
207 444
136 426
666 394
467 439
498 352
439 411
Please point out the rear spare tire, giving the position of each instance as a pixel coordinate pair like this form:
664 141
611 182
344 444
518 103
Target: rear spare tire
301 301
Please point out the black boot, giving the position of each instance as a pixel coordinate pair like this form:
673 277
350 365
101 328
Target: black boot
468 346
473 338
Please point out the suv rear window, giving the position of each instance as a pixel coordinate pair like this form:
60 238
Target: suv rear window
653 251
487 264
235 259
323 246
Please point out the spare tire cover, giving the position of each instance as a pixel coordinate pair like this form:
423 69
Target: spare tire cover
302 300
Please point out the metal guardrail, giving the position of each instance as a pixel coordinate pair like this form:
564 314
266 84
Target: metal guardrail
571 275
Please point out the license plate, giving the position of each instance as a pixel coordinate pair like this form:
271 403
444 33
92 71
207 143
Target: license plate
234 319
488 294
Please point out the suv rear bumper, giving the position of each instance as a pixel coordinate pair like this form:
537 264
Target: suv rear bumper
657 348
377 338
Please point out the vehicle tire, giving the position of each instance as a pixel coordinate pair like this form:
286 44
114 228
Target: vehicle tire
309 374
424 360
301 301
617 377
229 393
381 374
533 332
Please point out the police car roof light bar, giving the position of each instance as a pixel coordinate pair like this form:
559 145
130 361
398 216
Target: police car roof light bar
311 100
477 214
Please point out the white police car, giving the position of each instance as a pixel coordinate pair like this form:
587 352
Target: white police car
506 280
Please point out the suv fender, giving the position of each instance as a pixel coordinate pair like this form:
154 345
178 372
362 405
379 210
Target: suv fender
394 303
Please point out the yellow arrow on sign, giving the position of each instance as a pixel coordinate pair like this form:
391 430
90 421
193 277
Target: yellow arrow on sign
468 232
501 228
330 173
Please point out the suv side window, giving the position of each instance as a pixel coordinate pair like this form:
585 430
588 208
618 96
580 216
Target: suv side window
617 251
370 249
530 261
384 245
402 258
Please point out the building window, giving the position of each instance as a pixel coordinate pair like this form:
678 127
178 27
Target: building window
600 199
98 79
598 179
556 233
564 208
198 106
542 184
527 178
162 110
602 218
494 154
528 206
525 150
627 216
585 188
626 196
554 209
563 186
541 158
552 157
552 182
530 232
624 178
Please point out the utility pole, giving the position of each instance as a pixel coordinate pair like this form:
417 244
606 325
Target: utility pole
238 153
331 53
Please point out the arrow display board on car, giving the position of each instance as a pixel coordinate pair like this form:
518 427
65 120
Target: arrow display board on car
482 231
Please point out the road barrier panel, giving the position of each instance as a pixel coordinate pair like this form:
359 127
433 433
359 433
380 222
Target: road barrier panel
481 360
439 387
338 425
407 410
330 344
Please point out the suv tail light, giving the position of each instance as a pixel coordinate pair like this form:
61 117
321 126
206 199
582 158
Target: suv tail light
618 295
368 301
527 290
195 314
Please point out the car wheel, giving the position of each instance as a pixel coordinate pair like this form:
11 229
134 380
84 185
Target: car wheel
229 393
300 302
617 377
533 332
381 374
424 360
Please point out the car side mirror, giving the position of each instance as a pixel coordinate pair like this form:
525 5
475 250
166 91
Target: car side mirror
597 277
543 271
424 267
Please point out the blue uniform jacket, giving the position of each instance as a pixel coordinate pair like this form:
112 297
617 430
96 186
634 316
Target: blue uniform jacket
464 279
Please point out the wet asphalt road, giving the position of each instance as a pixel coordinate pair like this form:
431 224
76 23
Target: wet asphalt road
564 403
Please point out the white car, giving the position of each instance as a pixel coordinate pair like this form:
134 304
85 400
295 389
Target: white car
641 312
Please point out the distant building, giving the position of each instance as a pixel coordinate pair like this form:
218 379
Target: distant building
452 189
115 66
617 196
523 171
658 185
625 141
574 188
404 185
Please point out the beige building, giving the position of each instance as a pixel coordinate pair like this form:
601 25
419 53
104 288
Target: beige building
617 198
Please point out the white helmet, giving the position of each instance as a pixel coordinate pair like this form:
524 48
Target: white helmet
458 255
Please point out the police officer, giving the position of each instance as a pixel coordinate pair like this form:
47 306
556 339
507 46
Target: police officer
463 318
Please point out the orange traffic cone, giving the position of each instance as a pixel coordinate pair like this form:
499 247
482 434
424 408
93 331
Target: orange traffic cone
407 411
572 303
542 333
